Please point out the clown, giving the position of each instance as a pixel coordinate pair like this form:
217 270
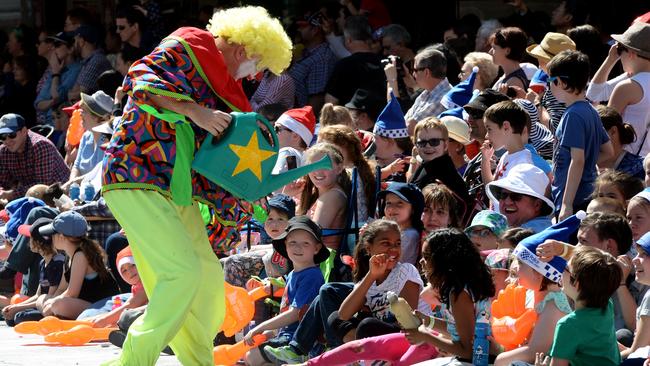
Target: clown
178 94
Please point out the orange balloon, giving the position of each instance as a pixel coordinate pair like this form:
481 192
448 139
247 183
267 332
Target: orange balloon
79 335
75 128
230 354
240 309
47 325
511 321
17 299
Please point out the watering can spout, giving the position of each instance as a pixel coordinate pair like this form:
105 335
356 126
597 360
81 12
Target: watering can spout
279 180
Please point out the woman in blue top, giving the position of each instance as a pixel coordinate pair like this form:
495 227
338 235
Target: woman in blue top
95 110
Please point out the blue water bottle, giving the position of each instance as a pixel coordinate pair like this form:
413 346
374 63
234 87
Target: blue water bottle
75 191
481 348
89 192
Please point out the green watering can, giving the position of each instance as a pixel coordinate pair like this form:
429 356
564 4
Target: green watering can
241 161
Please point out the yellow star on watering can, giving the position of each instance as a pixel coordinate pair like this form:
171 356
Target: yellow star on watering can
243 148
250 157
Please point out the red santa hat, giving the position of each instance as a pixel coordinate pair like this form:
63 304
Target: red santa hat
301 121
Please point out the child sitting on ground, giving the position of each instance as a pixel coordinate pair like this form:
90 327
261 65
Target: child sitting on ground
301 243
586 336
51 270
86 278
109 314
403 203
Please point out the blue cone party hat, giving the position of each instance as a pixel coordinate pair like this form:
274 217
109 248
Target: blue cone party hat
454 112
460 94
539 81
18 211
562 231
391 122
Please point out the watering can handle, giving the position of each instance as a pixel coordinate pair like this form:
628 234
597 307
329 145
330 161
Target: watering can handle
258 117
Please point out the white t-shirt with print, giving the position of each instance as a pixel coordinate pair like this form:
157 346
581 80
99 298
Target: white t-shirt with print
376 296
506 163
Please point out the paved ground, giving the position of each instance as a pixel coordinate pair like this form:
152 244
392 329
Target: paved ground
30 350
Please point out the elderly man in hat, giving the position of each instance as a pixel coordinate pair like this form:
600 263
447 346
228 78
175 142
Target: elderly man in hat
521 197
177 95
26 159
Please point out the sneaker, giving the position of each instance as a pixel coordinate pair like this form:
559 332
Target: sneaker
286 354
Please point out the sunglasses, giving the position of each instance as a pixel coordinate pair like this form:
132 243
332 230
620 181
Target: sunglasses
502 194
121 28
431 142
620 49
481 233
279 129
8 136
418 69
555 79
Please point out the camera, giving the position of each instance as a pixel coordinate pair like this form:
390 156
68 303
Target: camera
399 65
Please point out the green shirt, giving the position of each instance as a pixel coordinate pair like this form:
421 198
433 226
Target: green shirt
587 337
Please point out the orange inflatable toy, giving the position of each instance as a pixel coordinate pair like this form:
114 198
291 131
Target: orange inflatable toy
75 128
18 298
230 354
240 307
511 321
47 325
79 335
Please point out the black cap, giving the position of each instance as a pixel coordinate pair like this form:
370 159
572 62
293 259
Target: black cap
407 192
484 100
302 223
366 101
60 38
88 32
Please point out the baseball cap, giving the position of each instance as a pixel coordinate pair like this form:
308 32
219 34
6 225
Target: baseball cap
283 203
306 224
69 223
11 122
88 32
484 100
62 38
31 231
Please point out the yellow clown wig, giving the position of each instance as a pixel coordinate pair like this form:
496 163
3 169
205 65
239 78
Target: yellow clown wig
253 27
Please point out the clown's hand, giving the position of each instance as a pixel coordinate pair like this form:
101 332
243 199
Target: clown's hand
213 121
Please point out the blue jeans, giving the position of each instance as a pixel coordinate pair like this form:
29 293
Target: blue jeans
314 322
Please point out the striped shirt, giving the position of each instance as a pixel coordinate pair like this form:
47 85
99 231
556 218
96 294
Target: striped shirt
274 89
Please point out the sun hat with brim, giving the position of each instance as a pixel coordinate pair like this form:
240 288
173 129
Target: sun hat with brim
100 103
525 179
106 127
499 259
306 224
636 38
457 128
31 231
69 223
551 45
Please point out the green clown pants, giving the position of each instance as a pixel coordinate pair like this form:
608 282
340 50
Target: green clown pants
180 273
